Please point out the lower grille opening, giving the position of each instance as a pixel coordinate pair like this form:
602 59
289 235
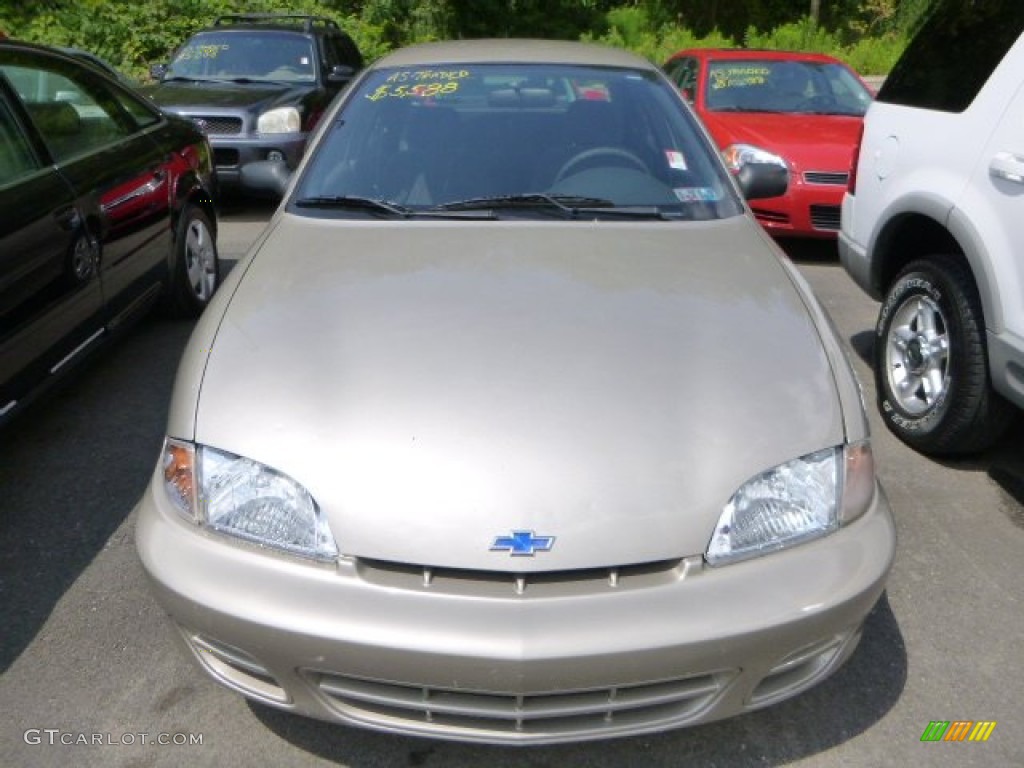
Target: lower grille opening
800 669
546 713
224 157
825 217
237 668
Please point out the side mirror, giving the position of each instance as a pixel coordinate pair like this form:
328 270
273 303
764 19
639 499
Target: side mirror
760 180
340 74
687 94
267 178
157 71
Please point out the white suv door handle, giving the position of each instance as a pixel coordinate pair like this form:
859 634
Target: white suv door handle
1007 166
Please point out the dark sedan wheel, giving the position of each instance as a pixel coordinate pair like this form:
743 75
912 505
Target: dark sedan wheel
196 269
81 260
931 364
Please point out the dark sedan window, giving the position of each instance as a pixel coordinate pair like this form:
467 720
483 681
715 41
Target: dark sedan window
74 113
456 137
16 157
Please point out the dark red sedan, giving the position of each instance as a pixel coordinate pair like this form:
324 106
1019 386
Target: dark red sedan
802 111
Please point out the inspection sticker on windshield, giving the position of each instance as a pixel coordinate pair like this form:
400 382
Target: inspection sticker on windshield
676 159
696 194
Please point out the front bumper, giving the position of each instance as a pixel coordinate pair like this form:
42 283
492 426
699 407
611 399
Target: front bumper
231 153
852 254
806 210
484 657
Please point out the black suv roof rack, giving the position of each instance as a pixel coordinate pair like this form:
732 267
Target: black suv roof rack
308 22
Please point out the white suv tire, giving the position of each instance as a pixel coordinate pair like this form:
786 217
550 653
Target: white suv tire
931 362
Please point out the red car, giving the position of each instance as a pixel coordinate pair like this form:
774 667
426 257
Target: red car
799 110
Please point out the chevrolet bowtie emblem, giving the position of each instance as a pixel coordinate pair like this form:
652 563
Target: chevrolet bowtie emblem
522 544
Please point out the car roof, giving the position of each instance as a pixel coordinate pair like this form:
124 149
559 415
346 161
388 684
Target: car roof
754 53
511 50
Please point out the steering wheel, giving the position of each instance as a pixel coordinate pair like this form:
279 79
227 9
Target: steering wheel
589 154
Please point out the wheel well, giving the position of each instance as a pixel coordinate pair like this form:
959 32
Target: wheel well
909 237
205 203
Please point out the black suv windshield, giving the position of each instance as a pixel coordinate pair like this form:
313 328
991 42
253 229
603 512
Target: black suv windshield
263 54
520 140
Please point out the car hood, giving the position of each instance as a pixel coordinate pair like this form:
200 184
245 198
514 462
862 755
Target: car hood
811 142
435 385
195 97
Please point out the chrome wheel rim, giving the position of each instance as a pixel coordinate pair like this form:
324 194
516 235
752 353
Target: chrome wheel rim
200 260
81 259
917 355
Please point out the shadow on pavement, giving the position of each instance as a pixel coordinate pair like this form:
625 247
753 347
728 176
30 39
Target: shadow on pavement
847 704
1004 461
72 467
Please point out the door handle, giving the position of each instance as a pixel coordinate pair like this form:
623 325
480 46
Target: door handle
67 217
1008 167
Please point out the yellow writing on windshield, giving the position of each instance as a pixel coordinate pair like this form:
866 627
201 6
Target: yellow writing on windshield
738 77
201 52
427 75
416 91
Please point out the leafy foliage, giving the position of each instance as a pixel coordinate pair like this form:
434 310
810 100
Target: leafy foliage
869 34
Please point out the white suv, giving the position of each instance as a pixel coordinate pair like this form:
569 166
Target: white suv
933 226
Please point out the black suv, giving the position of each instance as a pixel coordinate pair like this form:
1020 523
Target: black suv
257 84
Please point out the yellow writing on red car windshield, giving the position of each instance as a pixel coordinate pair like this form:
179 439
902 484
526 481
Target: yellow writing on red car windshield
738 77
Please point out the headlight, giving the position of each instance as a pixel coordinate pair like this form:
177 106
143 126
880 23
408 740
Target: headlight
794 502
280 120
738 155
239 497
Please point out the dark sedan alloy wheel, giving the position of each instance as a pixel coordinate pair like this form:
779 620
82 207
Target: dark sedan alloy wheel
196 268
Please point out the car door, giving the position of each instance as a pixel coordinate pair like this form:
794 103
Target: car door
50 297
993 202
100 138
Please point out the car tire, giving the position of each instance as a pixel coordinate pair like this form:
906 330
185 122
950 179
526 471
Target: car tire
195 271
931 363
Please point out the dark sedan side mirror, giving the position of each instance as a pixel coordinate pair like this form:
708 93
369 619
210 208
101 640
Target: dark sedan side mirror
157 71
760 180
266 178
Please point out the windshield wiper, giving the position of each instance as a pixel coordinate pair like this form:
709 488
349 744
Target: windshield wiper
353 202
359 203
569 206
566 204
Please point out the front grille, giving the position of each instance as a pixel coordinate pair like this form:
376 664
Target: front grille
529 714
219 125
832 178
501 584
825 217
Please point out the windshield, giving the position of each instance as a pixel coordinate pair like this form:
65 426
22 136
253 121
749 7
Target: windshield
750 85
264 55
518 140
